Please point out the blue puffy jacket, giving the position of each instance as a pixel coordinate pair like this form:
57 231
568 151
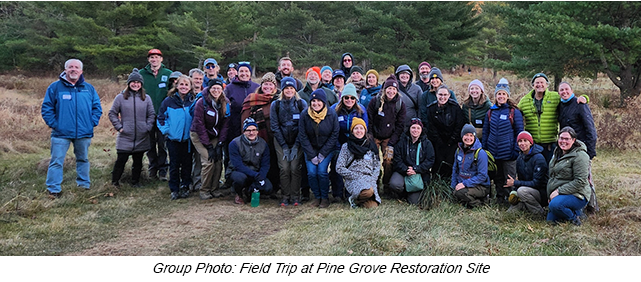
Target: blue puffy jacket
467 171
499 134
367 94
174 119
532 171
71 111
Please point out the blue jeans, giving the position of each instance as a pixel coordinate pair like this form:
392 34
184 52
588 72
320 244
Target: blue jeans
565 207
319 177
59 148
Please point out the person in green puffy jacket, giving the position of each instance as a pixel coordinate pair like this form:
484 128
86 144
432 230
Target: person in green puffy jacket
539 108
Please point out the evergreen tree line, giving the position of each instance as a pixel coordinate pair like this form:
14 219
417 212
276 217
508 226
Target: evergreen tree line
562 39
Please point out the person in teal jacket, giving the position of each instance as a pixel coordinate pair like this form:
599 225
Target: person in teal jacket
156 83
71 108
174 122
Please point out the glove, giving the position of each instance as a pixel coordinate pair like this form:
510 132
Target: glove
315 160
513 198
389 153
293 152
262 183
286 154
211 152
219 152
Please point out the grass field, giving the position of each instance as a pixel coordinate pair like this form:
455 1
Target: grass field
143 221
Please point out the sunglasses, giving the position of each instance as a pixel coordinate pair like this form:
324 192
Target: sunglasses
209 67
347 60
349 98
244 63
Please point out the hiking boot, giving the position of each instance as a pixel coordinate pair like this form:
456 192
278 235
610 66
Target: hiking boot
295 203
53 195
162 176
217 194
352 204
324 203
136 185
205 195
315 202
576 221
174 196
284 202
184 192
337 200
115 184
238 200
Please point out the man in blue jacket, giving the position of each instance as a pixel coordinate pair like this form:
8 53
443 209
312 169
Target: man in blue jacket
71 108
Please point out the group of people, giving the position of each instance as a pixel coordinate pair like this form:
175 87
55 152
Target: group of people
340 127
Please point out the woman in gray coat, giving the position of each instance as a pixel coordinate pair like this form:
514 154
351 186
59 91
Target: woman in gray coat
132 115
359 166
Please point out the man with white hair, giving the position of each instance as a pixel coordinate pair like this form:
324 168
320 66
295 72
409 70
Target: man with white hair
71 108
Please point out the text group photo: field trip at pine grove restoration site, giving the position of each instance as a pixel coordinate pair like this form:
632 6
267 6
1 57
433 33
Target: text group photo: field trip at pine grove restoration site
320 129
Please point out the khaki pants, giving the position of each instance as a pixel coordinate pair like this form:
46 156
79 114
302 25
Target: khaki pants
211 171
387 163
529 199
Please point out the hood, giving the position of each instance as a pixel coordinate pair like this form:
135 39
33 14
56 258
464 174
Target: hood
535 149
402 68
343 57
63 78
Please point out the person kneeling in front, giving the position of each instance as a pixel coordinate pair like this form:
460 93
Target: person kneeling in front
470 181
249 163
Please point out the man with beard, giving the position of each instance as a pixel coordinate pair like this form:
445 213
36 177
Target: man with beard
285 69
424 69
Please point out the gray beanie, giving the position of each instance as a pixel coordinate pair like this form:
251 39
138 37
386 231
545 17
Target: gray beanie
468 128
134 76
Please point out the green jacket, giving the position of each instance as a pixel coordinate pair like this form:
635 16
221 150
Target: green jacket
156 86
569 172
544 128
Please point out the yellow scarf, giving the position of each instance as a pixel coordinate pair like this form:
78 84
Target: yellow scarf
317 117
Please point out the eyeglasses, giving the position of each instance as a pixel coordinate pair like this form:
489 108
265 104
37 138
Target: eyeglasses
347 60
244 63
210 67
565 139
349 97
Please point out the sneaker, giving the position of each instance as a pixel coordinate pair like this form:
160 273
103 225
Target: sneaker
53 195
136 185
205 195
217 194
351 203
184 191
115 184
174 196
284 202
296 203
324 203
576 221
238 200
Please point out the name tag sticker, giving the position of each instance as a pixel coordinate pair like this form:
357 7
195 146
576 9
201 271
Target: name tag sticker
478 121
211 113
367 157
163 78
381 114
296 116
340 118
459 158
503 117
162 85
66 97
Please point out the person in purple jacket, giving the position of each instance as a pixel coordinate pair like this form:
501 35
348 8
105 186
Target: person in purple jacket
208 133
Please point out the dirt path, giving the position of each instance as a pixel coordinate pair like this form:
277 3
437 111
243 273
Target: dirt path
199 221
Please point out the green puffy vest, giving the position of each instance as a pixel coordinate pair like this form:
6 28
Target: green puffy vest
544 128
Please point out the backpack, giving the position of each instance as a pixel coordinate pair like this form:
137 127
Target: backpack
192 107
299 103
510 116
491 163
398 103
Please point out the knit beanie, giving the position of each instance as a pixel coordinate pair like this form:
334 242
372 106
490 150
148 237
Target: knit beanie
175 74
232 66
356 121
502 85
134 76
540 75
286 81
249 122
356 69
436 73
320 95
269 77
326 68
349 90
374 72
314 69
525 135
416 121
477 83
390 81
215 81
423 64
468 128
244 64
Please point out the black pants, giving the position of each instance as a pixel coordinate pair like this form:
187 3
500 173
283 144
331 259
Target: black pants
119 166
241 183
157 155
179 164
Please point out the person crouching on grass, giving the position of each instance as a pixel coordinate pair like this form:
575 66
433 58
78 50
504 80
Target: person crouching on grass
359 165
529 189
470 182
132 115
174 122
249 163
